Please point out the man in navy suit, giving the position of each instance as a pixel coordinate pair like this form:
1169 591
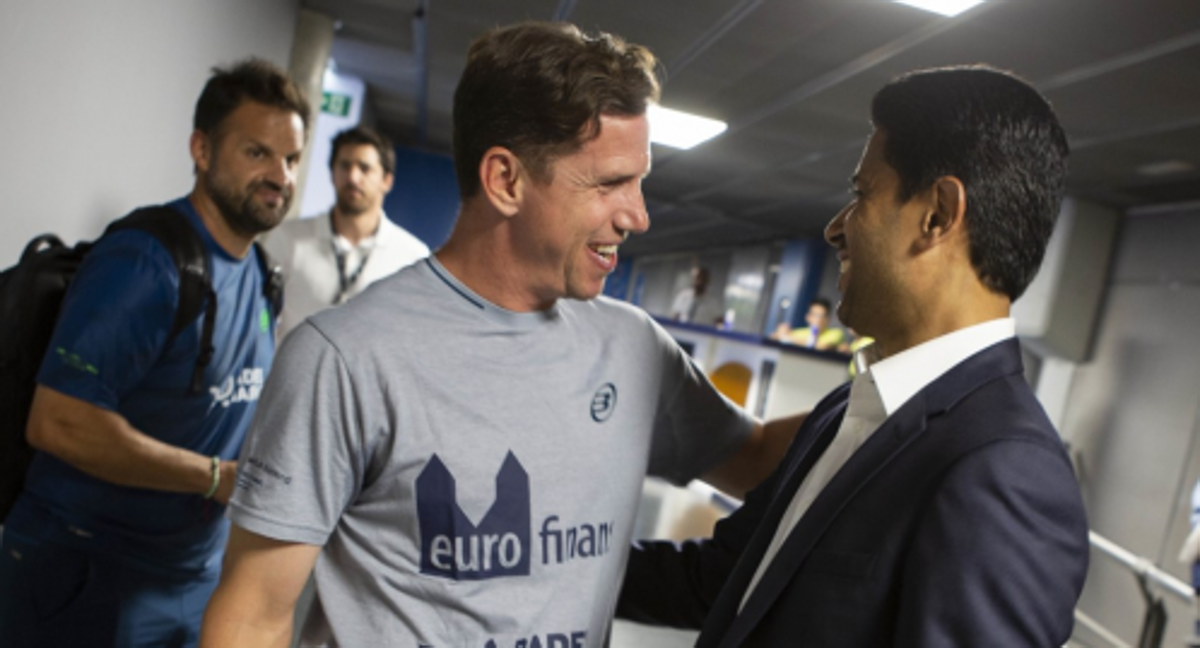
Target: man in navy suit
929 502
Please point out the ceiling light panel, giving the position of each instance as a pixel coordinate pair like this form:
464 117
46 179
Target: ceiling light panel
681 130
946 8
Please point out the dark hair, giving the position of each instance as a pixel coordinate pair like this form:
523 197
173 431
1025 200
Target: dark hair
364 135
539 89
823 303
250 80
996 134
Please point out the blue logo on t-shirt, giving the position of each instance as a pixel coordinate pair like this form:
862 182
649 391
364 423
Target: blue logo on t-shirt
604 402
453 547
576 639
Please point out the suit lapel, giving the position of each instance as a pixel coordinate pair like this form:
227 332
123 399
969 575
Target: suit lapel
813 439
811 443
897 432
888 441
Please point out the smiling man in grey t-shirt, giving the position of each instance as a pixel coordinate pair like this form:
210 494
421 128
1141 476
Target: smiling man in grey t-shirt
466 440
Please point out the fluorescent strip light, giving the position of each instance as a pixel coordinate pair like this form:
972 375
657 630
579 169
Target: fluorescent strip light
1166 167
679 129
946 8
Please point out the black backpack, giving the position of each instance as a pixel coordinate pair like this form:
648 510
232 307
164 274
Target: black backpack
32 292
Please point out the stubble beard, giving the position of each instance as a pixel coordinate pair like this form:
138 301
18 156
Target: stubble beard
348 206
842 309
239 209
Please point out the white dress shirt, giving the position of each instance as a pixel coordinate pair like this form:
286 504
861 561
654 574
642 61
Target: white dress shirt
880 388
306 250
684 306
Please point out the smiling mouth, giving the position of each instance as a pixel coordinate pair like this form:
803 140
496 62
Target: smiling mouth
271 198
606 251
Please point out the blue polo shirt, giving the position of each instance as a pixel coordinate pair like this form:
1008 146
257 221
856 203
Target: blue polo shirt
110 349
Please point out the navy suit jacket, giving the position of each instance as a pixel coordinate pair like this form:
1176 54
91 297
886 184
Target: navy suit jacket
958 523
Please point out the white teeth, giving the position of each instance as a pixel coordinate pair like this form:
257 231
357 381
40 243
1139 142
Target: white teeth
845 265
605 250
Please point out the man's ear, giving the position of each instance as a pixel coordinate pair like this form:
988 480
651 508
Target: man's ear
502 179
200 146
945 216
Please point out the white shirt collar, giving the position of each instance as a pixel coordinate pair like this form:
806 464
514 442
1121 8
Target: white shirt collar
366 243
897 378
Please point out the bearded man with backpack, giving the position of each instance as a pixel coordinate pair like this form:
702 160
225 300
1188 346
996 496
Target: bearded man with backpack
116 538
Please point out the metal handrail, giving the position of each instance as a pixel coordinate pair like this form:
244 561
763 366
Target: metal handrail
1147 574
1143 567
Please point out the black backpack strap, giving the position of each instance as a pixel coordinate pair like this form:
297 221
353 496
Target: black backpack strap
37 245
272 280
186 247
206 343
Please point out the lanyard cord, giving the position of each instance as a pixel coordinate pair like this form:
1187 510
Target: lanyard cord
344 282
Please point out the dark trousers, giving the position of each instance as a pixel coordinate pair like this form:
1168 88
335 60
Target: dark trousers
54 595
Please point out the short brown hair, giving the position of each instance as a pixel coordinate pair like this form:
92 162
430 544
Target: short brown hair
539 89
364 135
250 80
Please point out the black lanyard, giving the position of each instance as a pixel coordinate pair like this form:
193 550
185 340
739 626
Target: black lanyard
344 282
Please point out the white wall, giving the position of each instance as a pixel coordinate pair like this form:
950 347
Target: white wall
99 98
1058 313
1133 420
744 287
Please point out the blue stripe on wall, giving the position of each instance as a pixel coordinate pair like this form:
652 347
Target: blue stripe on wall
424 196
798 280
617 284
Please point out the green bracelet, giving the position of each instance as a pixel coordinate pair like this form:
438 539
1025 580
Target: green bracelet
216 477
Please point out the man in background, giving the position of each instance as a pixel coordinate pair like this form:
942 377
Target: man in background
118 535
683 309
332 257
819 334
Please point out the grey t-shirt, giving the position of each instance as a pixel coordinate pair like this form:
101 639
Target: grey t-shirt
473 473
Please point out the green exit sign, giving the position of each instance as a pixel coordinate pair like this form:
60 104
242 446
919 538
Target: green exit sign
335 104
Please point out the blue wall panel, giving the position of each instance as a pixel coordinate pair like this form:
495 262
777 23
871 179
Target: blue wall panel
797 282
424 197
